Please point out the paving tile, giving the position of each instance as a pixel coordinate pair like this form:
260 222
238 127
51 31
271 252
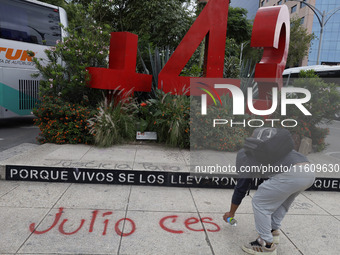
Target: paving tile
15 224
148 198
17 150
150 238
95 196
302 205
211 200
186 156
7 186
313 234
69 236
115 153
212 158
229 239
69 151
157 154
34 194
326 200
92 164
161 166
31 157
218 200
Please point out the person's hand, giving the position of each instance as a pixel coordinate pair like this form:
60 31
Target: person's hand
227 215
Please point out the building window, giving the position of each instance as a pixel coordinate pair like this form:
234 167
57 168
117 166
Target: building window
279 2
302 4
302 20
262 3
294 9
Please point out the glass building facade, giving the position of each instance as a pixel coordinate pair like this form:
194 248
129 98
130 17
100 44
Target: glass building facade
330 45
251 6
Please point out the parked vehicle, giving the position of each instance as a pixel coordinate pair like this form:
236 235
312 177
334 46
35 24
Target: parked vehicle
25 25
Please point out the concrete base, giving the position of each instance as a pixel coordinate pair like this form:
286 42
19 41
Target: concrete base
148 164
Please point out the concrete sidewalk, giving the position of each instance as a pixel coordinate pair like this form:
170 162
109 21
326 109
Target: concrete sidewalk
117 219
78 218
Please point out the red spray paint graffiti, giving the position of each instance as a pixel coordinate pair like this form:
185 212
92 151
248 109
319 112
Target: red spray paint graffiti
171 224
95 213
166 223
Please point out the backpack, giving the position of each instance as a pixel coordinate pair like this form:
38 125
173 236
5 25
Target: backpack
269 145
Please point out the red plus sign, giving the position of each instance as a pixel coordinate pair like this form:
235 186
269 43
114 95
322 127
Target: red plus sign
121 74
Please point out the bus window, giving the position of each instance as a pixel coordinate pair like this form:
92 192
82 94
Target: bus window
28 22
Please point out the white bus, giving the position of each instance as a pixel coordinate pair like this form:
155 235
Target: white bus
322 71
25 25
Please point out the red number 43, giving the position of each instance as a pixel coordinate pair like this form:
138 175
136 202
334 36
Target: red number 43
271 30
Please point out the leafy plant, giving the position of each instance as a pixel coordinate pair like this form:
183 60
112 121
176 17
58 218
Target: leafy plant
62 122
300 41
224 137
114 122
323 105
64 71
168 115
158 59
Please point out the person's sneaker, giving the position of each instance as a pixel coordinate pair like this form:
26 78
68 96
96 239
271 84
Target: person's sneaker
276 236
259 246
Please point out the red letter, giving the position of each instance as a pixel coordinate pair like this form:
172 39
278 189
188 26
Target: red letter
174 217
94 216
209 222
120 233
57 218
212 23
106 222
61 227
121 73
271 31
191 221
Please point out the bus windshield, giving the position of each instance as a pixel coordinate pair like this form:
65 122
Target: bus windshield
31 23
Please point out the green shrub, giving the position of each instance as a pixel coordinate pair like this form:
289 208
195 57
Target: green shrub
67 100
324 104
61 122
114 123
168 115
221 137
64 71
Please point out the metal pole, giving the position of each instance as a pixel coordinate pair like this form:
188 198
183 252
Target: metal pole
241 53
321 35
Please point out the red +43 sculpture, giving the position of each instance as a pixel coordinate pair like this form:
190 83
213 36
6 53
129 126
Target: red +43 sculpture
271 32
